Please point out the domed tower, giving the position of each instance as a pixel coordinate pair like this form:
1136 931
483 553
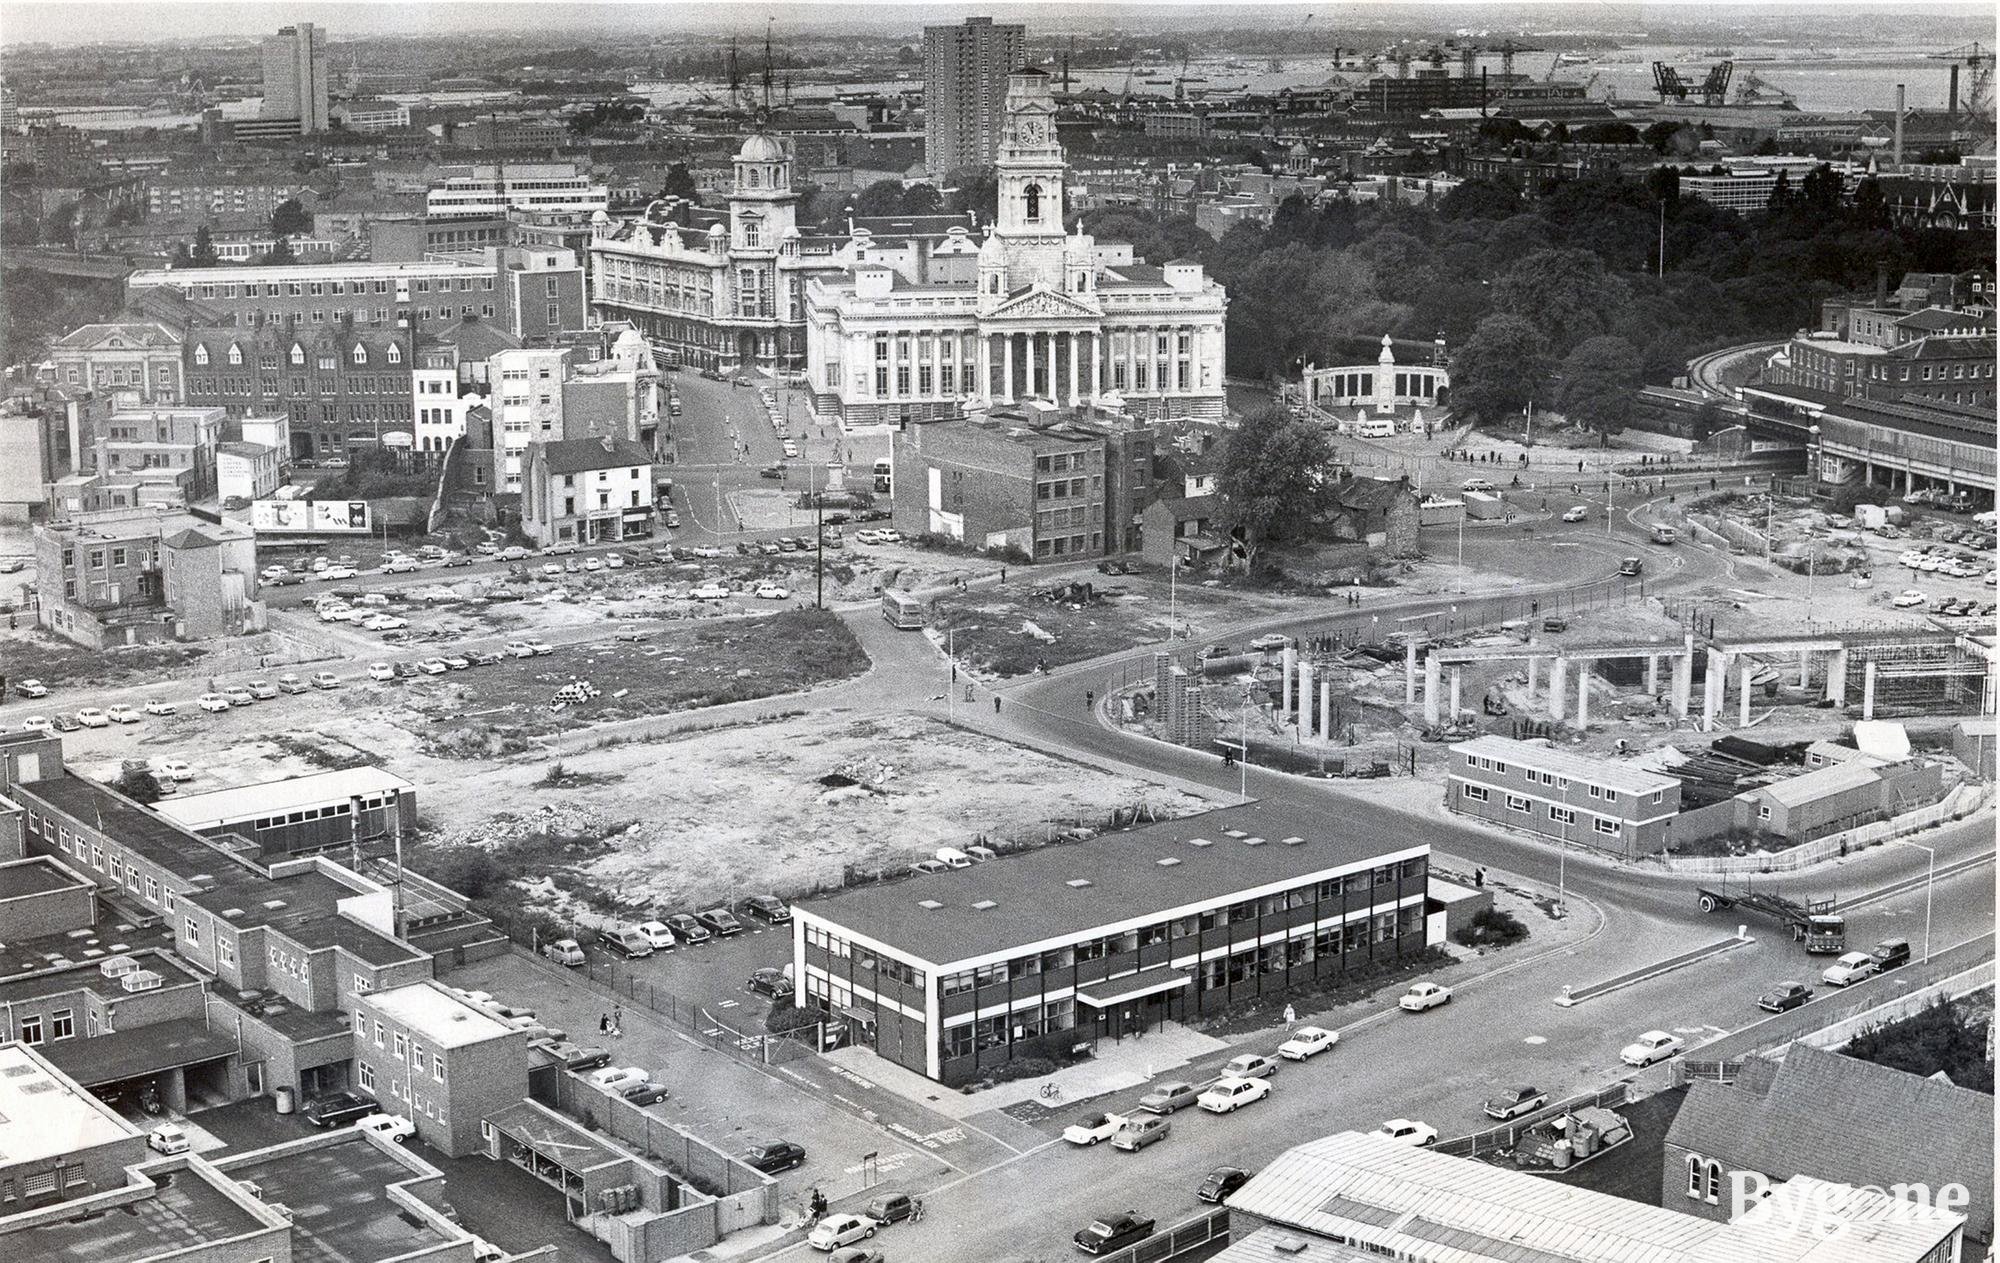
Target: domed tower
763 206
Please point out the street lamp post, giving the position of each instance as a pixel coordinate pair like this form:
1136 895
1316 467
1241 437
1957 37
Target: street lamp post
1930 883
1461 547
1173 590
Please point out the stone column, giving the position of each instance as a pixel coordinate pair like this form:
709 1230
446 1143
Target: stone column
1028 345
1096 364
1715 688
1410 673
1652 675
1326 710
1583 696
1075 341
1290 660
1743 703
1868 689
1836 678
1805 668
1007 368
1433 685
1305 715
1457 679
985 368
1558 685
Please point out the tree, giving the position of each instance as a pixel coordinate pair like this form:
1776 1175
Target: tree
1480 199
204 248
884 197
138 783
1275 477
281 253
1600 384
1871 208
1500 368
907 56
1664 183
290 219
922 199
1565 294
680 183
975 192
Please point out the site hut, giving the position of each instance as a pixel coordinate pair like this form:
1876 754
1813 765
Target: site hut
1031 955
1591 802
438 1060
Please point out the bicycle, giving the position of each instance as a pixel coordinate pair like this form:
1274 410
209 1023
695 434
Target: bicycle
1050 1092
916 1210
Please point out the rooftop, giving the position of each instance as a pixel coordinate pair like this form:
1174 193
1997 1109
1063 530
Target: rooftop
1601 772
152 838
430 1010
141 1050
53 971
45 1113
180 278
335 1193
186 1209
576 456
37 875
1834 778
223 807
1063 892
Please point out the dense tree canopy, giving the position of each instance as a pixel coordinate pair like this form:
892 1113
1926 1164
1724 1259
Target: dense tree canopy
1599 381
1500 369
1275 477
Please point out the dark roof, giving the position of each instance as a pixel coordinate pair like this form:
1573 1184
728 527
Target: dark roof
1370 494
170 846
138 1050
1033 896
1191 508
476 339
575 456
37 875
1849 1121
1939 318
189 538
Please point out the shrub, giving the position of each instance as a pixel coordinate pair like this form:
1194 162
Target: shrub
1940 1037
1491 927
1021 1068
470 871
139 785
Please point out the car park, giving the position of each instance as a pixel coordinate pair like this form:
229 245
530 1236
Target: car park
167 1138
768 908
91 717
1220 1183
656 934
773 1156
687 929
1786 995
1514 1102
1851 968
771 982
122 714
212 702
720 921
1091 1128
1423 995
390 1127
838 1230
1409 1132
161 708
1651 1047
1249 1066
566 952
1170 1095
1113 1233
1228 1095
337 1109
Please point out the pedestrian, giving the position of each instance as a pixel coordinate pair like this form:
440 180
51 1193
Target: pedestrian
996 703
617 1019
1291 1015
603 1023
1003 574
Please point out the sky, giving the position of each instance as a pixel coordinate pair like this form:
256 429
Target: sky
83 21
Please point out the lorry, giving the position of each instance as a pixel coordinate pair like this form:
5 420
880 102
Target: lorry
1813 922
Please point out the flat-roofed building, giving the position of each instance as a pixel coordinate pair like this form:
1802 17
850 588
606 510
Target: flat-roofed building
438 1060
323 294
954 973
1592 802
300 814
57 1141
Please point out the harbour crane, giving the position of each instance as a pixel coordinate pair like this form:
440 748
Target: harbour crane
1977 60
1277 64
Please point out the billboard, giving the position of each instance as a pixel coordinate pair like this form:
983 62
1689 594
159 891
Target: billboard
309 517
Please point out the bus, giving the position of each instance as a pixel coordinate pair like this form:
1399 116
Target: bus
906 611
884 476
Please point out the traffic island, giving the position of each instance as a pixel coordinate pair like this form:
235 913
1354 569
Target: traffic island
1577 995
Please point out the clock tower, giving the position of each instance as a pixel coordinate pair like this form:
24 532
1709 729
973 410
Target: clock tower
1029 172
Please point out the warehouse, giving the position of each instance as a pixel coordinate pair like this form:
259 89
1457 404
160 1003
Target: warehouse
300 814
1032 955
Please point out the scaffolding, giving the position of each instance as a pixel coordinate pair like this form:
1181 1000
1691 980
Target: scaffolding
1918 674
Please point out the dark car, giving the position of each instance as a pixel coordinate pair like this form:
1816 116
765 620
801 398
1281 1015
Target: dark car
1113 1232
1786 995
771 471
773 983
768 908
644 1093
773 1156
577 1057
485 658
720 921
337 1109
889 1208
1514 1102
1889 953
687 929
1221 1182
456 560
407 671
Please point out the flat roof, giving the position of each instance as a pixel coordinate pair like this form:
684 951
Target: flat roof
151 837
430 1010
335 1194
178 278
1624 777
139 1050
45 1113
36 875
1074 889
56 973
186 1209
222 807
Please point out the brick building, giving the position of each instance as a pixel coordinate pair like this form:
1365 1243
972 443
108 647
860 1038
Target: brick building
343 386
1551 792
136 576
131 363
587 491
438 1060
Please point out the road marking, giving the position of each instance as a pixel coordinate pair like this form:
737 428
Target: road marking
1536 1039
727 1004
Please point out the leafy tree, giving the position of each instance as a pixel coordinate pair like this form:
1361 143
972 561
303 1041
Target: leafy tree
1660 136
204 248
1564 293
975 192
680 183
1600 383
1500 368
290 219
138 783
1871 209
884 197
1664 183
907 56
1275 477
281 253
922 199
62 225
1480 199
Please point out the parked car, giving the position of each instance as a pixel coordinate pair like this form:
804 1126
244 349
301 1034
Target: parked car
768 908
289 683
91 717
1249 1066
1306 1042
615 1078
381 671
174 770
720 921
838 1230
772 592
212 702
520 649
541 648
484 658
1271 641
1113 1233
566 952
122 714
1230 1094
32 688
167 1138
1220 1183
383 622
1888 954
391 1127
626 941
1424 995
1409 1132
1908 598
1168 1096
66 723
1091 1128
581 1057
1786 995
259 691
643 1094
39 723
162 708
1849 969
337 1109
773 1156
1137 1133
325 680
687 929
657 934
771 982
1651 1047
889 1208
1515 1102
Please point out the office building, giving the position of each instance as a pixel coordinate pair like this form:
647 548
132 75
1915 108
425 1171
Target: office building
1571 797
342 387
135 363
965 90
1032 954
295 77
1044 314
368 295
438 1060
368 116
487 189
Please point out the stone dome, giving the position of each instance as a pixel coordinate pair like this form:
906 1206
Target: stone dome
761 148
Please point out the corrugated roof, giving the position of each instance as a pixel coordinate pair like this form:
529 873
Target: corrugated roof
238 803
1604 772
1834 778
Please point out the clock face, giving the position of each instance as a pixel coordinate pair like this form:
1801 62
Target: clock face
1034 131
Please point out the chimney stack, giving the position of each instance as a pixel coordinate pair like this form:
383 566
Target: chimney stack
1897 150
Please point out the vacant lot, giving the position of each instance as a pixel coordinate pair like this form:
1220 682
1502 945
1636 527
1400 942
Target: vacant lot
35 655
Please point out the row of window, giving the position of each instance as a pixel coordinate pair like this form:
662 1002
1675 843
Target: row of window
61 1026
315 289
1561 815
85 852
406 1050
328 360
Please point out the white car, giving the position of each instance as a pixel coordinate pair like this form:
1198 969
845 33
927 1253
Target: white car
835 1231
174 770
1228 1095
167 1138
340 572
1651 1047
867 535
709 592
161 708
214 703
1409 1131
385 622
335 614
1849 969
615 1077
1576 514
772 592
121 714
540 647
381 671
1088 1131
433 666
388 1126
32 688
520 649
888 537
39 723
91 717
1908 598
325 680
657 934
591 564
1423 995
1306 1042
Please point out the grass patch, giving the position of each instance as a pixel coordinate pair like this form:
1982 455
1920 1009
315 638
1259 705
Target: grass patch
35 655
990 632
1944 1036
314 752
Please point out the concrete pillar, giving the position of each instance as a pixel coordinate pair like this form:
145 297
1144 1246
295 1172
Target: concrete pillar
1805 668
1433 685
1652 675
1558 685
1457 679
1534 665
986 367
1743 703
1582 696
1326 710
1868 689
1029 349
1683 683
1410 674
1096 365
1290 661
1305 716
1836 678
1715 688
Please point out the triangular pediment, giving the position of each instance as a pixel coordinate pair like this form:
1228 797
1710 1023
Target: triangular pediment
1039 304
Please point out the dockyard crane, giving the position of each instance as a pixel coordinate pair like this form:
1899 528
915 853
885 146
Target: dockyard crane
1277 64
1977 59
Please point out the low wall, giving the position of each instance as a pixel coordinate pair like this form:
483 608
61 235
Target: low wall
1958 986
1958 804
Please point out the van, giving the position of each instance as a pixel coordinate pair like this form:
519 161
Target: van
1889 953
980 854
1378 428
952 857
1137 1133
1630 566
1477 484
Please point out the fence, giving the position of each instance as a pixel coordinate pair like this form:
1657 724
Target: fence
1184 1236
1499 1139
1961 802
1959 985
